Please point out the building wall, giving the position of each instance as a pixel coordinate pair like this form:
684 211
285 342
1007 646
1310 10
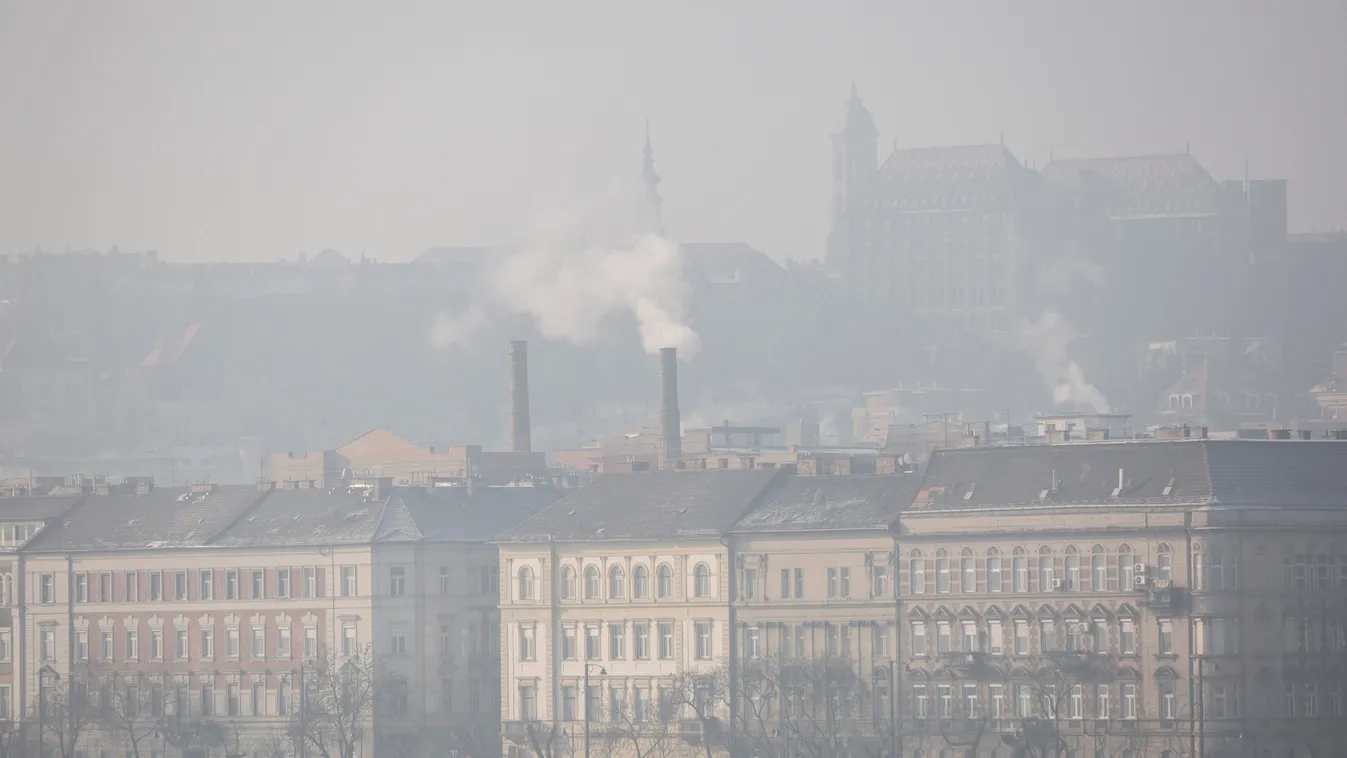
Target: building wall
68 615
543 608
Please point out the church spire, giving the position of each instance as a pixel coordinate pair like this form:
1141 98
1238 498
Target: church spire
651 181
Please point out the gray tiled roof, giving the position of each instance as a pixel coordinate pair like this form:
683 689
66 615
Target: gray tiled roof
1170 472
336 516
166 517
648 505
39 507
450 514
859 501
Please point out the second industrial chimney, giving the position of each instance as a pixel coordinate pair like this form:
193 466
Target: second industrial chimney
670 422
520 439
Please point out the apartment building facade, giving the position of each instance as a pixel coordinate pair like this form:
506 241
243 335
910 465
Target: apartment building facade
188 619
624 587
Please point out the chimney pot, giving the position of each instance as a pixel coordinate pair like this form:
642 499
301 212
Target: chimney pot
520 435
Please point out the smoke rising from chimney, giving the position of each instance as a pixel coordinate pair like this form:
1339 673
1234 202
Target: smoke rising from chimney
670 420
1048 340
577 268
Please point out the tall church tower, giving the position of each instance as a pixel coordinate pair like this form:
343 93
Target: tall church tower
653 203
855 161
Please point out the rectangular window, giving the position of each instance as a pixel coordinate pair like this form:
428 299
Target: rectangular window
1021 638
1164 570
1076 703
231 584
207 643
879 641
207 589
310 642
47 650
179 585
569 695
526 643
702 630
257 700
832 583
180 644
641 640
528 702
207 700
617 706
283 644
1129 701
131 587
1125 575
1127 637
799 583
232 699
998 700
844 582
617 641
751 642
970 637
1098 573
879 581
785 584
81 646
1024 701
348 582
592 652
666 640
919 709
1167 705
282 698
259 584
942 578
1166 637
1101 694
1020 567
156 586
994 639
1045 571
132 645
750 583
310 582
994 574
918 638
232 642
971 708
946 700
916 576
259 647
568 643
105 587
282 582
348 640
943 643
846 640
81 588
969 581
446 581
1047 636
1100 633
105 646
47 588
156 645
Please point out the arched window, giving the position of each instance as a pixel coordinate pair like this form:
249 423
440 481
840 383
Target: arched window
1173 402
568 583
640 582
525 583
616 583
1098 569
701 581
1073 570
591 583
665 577
1164 563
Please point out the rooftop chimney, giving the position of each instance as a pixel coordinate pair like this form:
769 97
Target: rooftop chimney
670 422
520 439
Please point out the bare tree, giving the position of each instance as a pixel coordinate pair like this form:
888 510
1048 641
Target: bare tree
132 708
641 729
703 696
66 712
11 745
336 704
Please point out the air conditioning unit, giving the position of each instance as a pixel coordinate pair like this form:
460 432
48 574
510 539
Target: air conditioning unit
1083 627
1139 580
1056 584
1139 568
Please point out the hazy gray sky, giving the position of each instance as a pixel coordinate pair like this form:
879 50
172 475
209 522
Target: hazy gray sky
253 130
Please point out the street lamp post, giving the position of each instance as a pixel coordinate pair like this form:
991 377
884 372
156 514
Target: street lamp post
602 672
42 675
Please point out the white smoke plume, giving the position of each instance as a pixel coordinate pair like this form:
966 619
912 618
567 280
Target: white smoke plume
1048 340
577 268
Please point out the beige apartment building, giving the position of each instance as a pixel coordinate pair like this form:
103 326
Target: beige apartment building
626 583
191 616
1138 598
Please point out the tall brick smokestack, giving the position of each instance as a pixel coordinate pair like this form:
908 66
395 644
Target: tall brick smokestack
520 438
670 421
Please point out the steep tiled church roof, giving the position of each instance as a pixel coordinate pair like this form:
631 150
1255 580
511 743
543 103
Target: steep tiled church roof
950 178
1151 185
